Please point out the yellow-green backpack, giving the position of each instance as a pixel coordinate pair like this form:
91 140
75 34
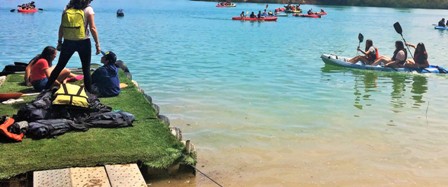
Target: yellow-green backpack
72 95
73 27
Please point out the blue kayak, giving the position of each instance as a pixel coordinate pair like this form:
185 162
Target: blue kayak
441 28
342 61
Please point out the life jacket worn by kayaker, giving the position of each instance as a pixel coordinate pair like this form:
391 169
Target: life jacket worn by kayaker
373 56
377 53
394 57
71 95
73 26
4 130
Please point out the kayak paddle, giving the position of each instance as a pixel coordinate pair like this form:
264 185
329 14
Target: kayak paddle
360 38
398 29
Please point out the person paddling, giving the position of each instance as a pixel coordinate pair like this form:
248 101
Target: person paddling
242 14
370 54
420 59
398 59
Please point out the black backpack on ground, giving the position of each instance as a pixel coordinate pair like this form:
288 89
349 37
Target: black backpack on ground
110 119
52 127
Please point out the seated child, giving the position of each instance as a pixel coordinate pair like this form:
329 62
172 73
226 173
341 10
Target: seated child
105 82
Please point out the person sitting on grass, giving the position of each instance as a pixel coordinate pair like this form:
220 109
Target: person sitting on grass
39 69
105 82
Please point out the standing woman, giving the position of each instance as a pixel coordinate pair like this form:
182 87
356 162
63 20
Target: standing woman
76 18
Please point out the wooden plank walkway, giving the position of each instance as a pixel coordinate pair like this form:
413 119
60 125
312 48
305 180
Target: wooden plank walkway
101 176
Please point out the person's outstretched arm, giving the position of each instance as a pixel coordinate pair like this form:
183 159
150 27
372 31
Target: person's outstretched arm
91 20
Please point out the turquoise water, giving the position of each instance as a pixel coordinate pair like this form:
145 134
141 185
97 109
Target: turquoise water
257 100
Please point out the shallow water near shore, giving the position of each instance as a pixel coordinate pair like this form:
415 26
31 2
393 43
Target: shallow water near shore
257 101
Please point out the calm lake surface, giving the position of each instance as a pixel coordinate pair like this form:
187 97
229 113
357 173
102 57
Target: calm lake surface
257 101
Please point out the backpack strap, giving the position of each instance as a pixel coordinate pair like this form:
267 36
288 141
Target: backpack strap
64 86
80 90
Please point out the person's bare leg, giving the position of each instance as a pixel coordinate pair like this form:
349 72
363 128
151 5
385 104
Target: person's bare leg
354 59
65 73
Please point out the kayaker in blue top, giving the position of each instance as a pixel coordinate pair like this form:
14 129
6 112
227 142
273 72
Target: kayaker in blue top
105 82
369 54
310 11
264 14
252 15
398 59
420 57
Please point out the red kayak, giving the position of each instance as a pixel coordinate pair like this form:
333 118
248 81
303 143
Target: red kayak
321 13
27 10
307 15
270 18
10 95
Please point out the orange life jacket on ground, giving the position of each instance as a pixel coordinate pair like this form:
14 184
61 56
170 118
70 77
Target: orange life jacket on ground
4 130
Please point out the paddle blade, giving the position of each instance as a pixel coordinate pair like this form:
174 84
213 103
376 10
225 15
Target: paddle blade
397 28
360 37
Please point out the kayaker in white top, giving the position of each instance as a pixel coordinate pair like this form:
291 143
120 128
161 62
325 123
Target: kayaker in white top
369 54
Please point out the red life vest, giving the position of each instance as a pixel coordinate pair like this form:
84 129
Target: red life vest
377 53
4 130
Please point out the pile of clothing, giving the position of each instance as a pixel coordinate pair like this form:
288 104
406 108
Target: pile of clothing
57 111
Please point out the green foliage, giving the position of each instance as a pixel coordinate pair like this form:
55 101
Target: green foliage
148 140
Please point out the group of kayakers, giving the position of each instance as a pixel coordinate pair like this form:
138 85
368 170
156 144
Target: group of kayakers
227 3
27 6
310 12
291 7
399 57
259 15
442 23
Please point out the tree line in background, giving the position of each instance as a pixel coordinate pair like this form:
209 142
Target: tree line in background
434 4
